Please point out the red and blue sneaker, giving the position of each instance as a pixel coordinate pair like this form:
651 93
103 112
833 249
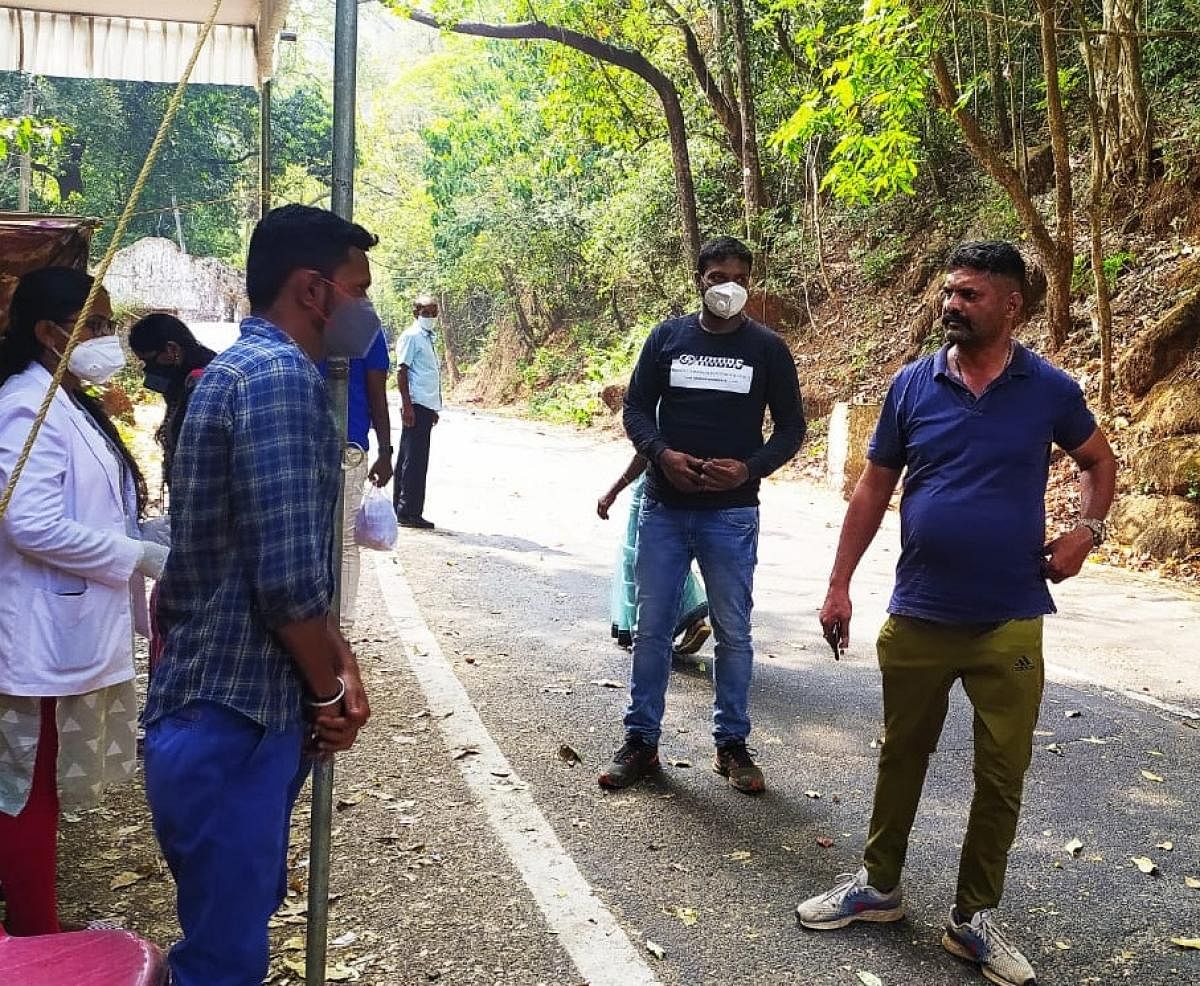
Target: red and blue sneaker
851 899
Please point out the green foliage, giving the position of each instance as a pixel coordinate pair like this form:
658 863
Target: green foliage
879 265
1116 264
869 101
29 135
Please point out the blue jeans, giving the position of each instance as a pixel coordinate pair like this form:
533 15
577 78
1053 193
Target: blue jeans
221 790
725 544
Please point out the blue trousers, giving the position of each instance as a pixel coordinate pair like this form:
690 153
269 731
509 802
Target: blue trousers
725 544
221 790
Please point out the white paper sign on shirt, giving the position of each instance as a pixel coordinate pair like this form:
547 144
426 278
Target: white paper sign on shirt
711 373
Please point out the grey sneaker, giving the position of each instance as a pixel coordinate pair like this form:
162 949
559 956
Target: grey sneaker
981 941
852 899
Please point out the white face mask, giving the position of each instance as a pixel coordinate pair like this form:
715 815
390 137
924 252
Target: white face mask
427 322
726 300
96 360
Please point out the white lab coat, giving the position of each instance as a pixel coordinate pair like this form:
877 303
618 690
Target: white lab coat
66 560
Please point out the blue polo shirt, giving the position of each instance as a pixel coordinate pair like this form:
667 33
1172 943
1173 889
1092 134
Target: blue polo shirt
973 510
358 409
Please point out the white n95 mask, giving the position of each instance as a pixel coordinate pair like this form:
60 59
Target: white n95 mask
97 360
726 300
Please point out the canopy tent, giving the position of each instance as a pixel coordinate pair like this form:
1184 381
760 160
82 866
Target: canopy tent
148 40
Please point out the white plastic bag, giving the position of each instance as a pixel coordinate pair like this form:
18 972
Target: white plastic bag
375 526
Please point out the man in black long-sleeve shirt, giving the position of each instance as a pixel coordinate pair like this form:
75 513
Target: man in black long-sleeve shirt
695 409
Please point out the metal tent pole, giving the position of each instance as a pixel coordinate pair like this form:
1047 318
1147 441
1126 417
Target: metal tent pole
345 50
264 148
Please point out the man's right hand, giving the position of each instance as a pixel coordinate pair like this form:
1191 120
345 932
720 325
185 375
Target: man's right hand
408 416
683 471
836 612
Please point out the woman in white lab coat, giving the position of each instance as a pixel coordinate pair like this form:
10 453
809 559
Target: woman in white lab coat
70 551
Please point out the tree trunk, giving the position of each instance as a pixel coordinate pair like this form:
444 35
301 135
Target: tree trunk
1121 93
449 342
723 102
999 85
632 61
752 183
1058 282
514 292
993 161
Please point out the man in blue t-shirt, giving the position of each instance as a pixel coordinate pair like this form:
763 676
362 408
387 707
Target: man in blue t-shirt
366 409
971 428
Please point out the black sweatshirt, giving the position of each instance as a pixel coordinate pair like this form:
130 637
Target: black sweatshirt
705 394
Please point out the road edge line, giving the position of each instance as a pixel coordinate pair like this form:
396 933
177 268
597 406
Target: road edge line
1060 672
589 933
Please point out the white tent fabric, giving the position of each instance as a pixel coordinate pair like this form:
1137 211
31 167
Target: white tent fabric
148 40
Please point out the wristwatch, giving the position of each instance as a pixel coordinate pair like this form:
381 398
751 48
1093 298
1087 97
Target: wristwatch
1098 528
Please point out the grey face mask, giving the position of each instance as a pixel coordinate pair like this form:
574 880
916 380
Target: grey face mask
352 327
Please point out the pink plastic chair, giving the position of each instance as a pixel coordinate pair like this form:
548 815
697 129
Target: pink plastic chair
97 958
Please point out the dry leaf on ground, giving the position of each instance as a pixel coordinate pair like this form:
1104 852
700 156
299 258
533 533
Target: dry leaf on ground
1145 864
126 878
655 949
1074 847
1193 943
608 683
869 978
1191 882
1151 776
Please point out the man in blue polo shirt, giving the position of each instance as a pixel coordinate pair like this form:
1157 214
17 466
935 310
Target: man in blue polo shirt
972 427
366 409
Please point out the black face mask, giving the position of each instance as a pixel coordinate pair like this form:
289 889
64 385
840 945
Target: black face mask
162 379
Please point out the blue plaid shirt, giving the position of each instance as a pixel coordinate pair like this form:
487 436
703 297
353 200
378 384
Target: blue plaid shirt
253 488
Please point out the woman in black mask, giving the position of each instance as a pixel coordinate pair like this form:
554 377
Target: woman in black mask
174 360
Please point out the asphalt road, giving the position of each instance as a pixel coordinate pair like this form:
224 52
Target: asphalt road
514 584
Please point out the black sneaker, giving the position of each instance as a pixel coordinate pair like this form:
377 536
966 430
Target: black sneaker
630 764
418 522
734 761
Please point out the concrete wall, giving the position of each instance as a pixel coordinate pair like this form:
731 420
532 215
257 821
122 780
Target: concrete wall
850 428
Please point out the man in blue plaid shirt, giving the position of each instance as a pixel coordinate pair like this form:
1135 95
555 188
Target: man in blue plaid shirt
254 674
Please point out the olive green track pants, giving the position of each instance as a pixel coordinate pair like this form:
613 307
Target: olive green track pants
1001 669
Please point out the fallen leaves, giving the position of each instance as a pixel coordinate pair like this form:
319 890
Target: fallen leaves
1072 714
1151 776
740 855
688 915
1055 749
1191 882
568 755
608 683
824 842
126 878
464 752
676 762
1074 847
869 978
815 795
1167 846
655 949
1192 943
1145 864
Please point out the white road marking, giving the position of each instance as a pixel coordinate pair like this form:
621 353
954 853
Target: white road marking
600 949
1058 671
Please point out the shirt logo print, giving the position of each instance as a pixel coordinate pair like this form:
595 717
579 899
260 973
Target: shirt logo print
1023 664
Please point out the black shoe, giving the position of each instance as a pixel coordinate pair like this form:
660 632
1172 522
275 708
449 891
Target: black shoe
630 764
734 762
418 522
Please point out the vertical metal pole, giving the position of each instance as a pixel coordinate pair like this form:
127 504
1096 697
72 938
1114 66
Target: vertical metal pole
25 164
178 224
264 149
345 52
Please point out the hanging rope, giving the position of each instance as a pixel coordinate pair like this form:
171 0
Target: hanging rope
122 224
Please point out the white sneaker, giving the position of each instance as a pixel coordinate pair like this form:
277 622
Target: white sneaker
851 899
981 941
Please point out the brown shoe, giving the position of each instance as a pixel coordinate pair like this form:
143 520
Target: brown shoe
733 761
693 637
